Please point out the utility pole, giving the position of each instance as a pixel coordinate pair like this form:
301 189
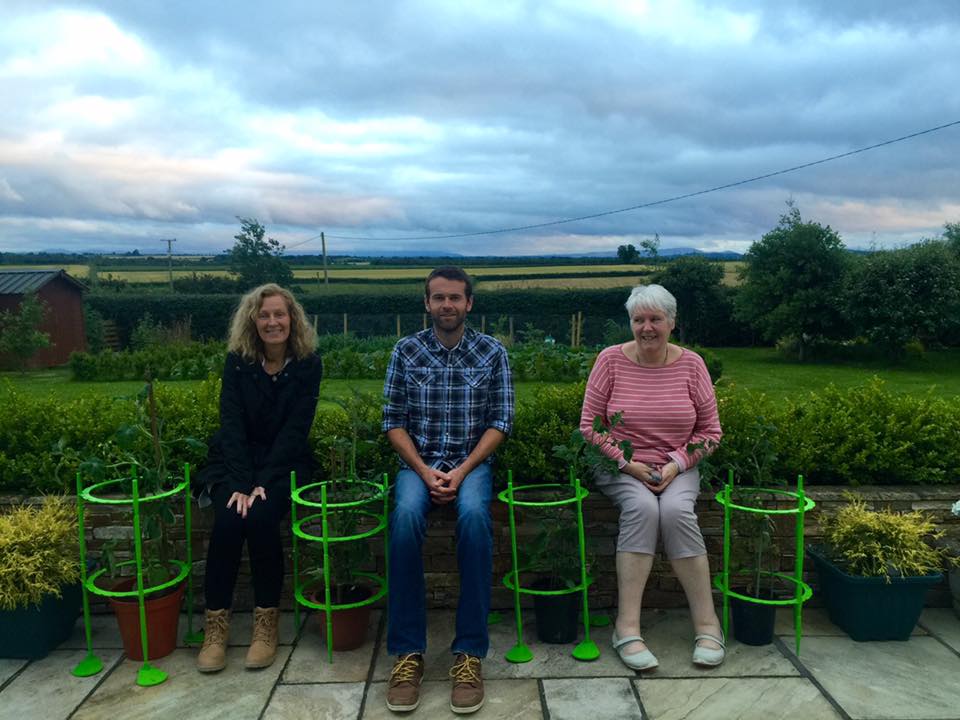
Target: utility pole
170 242
323 244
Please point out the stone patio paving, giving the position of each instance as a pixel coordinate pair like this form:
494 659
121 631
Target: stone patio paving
833 677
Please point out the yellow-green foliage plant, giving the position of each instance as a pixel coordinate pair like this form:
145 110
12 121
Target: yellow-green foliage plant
882 543
38 552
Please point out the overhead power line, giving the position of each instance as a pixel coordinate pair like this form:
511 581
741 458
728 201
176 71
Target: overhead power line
640 206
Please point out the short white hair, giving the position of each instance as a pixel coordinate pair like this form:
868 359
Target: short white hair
652 297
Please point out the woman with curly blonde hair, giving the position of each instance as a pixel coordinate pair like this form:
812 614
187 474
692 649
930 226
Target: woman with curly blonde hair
271 380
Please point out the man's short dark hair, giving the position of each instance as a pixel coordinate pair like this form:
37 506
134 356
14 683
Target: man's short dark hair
450 272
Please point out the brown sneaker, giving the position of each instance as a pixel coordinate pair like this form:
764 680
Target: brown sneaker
216 629
467 693
263 646
403 690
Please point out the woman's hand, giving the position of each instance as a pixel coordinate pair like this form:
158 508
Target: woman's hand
667 473
245 501
639 470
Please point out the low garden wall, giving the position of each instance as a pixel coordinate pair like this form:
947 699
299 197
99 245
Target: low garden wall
105 522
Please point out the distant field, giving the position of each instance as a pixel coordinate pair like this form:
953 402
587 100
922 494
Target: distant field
529 276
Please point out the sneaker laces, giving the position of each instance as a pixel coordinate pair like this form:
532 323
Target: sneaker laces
466 670
264 624
215 629
405 669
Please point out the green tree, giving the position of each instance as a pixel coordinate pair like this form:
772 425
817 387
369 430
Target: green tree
20 334
896 296
702 306
951 234
792 282
628 255
256 260
651 248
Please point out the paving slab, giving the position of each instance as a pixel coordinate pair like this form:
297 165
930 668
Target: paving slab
232 694
917 678
47 689
712 698
549 660
9 667
502 699
315 702
944 624
310 664
669 635
578 698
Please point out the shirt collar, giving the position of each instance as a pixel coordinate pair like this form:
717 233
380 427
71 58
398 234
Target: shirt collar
466 340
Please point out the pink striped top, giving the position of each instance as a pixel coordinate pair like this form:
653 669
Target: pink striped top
664 408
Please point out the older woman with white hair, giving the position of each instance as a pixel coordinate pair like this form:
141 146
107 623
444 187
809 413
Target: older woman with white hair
669 415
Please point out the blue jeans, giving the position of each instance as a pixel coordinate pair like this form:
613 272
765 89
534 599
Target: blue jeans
407 614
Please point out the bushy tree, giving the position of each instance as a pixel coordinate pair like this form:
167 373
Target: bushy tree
628 254
20 335
896 296
702 306
792 282
256 260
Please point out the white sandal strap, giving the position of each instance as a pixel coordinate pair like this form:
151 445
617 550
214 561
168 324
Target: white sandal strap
704 636
624 641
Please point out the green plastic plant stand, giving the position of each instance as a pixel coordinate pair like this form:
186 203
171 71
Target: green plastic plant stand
90 665
802 591
381 494
521 653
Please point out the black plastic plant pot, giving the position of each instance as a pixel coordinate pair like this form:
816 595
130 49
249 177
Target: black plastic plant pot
871 608
557 615
32 632
753 623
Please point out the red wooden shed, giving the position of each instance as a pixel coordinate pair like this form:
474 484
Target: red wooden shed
63 320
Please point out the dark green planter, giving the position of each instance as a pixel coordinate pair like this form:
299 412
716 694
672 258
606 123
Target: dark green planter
32 632
870 608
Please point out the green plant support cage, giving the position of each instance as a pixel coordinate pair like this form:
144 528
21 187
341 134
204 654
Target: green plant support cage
91 664
380 497
802 591
521 653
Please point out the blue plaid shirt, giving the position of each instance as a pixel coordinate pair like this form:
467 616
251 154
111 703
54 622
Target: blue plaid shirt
446 399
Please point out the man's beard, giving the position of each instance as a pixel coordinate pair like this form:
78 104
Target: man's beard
449 323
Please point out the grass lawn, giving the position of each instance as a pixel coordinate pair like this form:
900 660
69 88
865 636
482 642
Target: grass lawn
758 369
763 370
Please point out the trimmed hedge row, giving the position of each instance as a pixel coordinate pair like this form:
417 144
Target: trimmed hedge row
210 314
854 436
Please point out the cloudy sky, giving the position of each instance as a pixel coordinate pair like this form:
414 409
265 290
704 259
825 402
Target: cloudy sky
123 123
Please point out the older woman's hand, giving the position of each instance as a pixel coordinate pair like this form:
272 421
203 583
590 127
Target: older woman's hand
667 473
640 471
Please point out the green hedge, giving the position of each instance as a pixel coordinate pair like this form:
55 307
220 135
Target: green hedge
209 314
854 436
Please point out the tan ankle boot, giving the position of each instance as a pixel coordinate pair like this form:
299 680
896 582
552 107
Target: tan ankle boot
263 646
213 654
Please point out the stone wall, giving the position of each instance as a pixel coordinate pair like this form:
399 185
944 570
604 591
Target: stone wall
106 522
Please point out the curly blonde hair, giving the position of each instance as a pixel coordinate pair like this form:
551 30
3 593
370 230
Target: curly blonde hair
244 338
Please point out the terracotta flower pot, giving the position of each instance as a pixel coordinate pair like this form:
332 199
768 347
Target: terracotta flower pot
163 616
349 625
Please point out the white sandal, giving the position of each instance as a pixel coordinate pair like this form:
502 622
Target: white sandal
643 660
708 657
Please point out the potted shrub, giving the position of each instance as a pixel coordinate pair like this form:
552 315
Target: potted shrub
140 448
349 625
954 575
39 573
874 569
754 551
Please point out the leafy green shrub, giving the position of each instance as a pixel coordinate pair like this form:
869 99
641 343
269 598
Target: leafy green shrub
163 361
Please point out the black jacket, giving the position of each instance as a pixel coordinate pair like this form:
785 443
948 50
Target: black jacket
264 424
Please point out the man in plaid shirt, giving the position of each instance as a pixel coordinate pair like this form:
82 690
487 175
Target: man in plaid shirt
448 405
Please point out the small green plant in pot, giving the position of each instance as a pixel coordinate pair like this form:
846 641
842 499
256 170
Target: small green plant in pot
348 517
755 551
140 449
875 567
39 573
